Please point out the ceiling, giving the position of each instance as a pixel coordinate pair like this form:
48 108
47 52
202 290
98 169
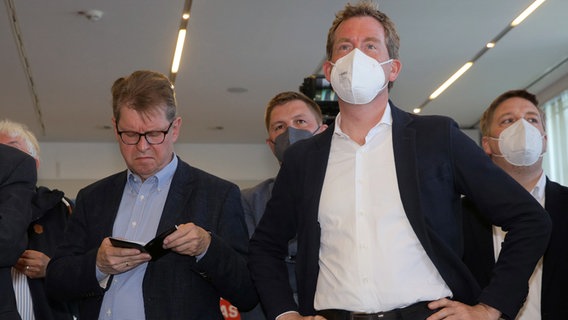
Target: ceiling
264 47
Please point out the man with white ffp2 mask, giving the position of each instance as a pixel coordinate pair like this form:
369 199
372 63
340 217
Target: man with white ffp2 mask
374 202
358 78
513 130
521 143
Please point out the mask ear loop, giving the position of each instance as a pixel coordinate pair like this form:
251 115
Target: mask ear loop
387 81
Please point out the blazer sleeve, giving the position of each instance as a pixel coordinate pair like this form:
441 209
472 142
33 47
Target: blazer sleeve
71 273
224 265
17 185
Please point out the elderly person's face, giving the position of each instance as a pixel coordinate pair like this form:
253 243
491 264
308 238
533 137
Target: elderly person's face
143 158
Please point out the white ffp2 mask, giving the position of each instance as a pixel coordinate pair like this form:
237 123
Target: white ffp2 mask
520 143
358 78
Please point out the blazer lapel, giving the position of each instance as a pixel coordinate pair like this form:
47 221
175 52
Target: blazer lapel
180 189
405 157
316 166
113 203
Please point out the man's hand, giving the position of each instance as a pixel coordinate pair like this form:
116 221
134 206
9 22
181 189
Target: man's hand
113 260
297 316
454 310
188 239
33 264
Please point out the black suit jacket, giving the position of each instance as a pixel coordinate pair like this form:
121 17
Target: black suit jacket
435 164
17 184
175 286
49 221
480 256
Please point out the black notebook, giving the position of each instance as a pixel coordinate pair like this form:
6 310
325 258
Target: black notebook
153 247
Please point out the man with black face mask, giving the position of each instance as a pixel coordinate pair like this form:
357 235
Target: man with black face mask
513 130
289 117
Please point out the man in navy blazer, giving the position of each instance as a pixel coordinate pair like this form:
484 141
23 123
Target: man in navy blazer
375 203
547 294
18 177
206 252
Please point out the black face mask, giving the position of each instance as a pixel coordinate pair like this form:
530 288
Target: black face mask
288 138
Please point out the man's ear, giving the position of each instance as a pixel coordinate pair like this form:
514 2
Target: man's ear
115 129
327 66
270 144
321 129
485 145
396 66
176 128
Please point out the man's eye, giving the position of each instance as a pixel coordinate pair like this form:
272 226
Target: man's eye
130 134
153 134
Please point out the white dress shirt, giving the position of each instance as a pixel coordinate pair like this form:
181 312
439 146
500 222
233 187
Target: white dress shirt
23 295
531 308
370 258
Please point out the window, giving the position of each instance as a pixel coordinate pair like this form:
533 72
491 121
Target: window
556 157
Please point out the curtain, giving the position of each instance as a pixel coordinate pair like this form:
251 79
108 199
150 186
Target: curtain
556 158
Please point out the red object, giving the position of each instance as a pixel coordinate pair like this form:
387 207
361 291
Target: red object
229 311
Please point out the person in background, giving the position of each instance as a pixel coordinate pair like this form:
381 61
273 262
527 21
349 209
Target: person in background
289 117
514 137
18 177
206 253
50 212
375 203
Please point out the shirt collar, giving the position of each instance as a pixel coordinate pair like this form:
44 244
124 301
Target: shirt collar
386 119
538 190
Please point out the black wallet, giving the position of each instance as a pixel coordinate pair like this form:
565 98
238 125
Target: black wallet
153 247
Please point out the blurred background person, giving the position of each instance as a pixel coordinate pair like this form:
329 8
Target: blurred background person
289 117
50 212
18 177
514 137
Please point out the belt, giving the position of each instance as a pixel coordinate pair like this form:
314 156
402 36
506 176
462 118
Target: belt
416 311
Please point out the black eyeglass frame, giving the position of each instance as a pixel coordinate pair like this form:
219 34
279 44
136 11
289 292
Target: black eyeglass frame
144 134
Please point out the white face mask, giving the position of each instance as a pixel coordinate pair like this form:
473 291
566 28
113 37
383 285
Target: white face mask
358 78
520 143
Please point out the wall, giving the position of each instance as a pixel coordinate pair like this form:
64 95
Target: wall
71 166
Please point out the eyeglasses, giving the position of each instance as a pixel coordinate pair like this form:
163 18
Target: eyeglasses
152 137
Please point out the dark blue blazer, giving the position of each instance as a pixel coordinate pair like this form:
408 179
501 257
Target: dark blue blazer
175 286
435 164
480 256
18 177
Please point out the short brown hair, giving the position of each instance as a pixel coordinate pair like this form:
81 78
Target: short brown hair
487 117
288 96
142 91
365 9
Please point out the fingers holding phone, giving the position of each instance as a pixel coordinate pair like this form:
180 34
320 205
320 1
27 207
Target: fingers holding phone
115 260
